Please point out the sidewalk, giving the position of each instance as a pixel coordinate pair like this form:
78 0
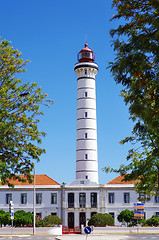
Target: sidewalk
92 237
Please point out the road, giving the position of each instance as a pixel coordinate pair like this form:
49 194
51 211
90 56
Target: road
83 237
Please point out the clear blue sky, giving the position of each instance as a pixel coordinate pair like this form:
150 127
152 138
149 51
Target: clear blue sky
50 33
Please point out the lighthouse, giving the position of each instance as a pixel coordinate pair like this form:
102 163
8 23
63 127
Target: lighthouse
86 147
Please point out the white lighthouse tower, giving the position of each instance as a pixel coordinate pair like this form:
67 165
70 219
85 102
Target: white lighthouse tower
86 148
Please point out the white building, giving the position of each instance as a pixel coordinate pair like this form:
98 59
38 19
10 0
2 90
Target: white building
76 202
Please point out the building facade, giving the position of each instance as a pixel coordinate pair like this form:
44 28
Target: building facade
75 202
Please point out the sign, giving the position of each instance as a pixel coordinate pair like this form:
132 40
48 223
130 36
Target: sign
138 210
87 230
138 205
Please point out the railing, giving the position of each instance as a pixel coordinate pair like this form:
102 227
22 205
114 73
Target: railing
67 230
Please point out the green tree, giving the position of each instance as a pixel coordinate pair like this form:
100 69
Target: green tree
126 215
101 219
19 111
136 67
4 218
52 220
22 218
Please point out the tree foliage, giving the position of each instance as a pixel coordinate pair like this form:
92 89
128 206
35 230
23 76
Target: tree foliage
136 67
101 219
19 111
52 220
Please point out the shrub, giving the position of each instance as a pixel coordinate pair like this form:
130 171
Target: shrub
153 221
22 218
52 220
4 218
101 219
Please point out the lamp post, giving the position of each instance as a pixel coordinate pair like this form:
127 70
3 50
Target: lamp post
34 210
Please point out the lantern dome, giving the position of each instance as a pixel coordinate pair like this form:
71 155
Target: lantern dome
86 55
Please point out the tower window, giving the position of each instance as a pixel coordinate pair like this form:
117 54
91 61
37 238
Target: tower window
85 114
86 156
85 135
85 72
85 94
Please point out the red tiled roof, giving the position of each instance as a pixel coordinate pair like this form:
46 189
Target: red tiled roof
41 179
118 180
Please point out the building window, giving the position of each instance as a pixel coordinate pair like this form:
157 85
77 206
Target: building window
93 213
70 200
85 72
85 135
145 215
93 200
82 200
23 198
156 199
54 213
157 214
142 197
39 215
8 198
53 198
85 94
126 197
38 198
85 114
111 197
86 177
86 156
112 214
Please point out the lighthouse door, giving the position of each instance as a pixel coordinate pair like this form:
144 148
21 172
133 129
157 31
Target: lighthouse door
82 218
71 220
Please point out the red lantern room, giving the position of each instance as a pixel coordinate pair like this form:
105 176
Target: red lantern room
86 55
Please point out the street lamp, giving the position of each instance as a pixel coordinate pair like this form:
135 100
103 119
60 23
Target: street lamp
34 210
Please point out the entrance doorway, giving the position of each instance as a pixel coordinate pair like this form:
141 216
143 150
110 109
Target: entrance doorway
82 218
71 220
